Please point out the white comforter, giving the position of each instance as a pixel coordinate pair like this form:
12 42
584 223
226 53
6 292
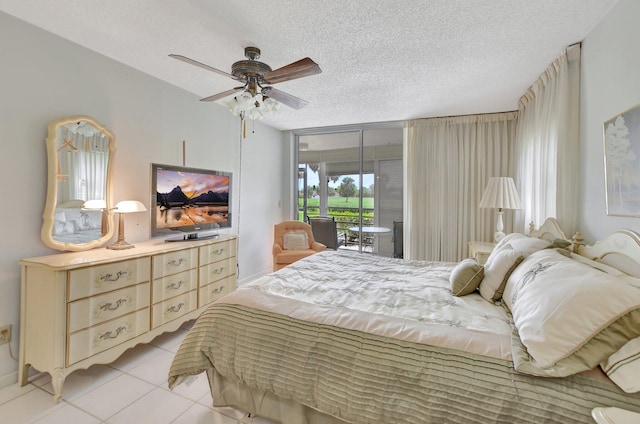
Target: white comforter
409 300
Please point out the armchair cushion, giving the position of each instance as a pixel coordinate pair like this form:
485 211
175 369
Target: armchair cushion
295 240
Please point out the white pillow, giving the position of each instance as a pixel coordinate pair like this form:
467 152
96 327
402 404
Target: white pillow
623 367
64 227
496 273
507 254
296 240
568 315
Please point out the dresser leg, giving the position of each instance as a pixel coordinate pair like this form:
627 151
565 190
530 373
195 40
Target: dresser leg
23 374
57 380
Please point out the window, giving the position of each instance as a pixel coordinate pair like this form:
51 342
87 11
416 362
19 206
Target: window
354 176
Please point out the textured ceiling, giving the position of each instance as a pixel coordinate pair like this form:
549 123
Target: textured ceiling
381 60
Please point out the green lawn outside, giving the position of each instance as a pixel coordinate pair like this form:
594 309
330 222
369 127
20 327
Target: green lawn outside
340 202
345 212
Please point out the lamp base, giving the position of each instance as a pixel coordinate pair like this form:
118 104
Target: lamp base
121 245
498 235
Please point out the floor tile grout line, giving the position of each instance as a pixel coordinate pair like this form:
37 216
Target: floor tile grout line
124 407
19 394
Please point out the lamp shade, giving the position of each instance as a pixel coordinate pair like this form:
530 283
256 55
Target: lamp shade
96 204
500 193
129 206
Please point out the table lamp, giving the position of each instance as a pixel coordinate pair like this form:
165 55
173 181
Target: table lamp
500 194
98 205
122 207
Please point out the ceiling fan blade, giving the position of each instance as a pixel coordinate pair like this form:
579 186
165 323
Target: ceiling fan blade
302 68
288 99
221 95
201 65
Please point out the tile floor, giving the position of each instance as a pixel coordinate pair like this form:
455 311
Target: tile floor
133 390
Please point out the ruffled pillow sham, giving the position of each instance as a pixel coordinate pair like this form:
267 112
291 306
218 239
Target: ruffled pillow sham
568 316
623 367
504 258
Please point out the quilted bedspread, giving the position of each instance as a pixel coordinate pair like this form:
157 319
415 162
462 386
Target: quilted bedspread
381 342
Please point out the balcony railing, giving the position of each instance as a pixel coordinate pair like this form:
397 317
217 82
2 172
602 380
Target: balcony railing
346 218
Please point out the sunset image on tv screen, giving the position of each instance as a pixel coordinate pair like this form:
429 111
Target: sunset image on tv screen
191 198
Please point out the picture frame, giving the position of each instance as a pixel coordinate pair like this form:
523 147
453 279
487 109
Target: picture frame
621 135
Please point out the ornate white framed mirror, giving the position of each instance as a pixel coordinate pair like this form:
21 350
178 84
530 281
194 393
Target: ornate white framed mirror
77 213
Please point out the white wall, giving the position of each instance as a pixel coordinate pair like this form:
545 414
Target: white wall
43 77
610 84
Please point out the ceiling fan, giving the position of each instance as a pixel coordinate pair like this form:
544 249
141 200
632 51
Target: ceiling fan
257 77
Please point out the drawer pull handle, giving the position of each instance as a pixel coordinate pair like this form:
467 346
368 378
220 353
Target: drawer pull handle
218 252
217 290
111 335
176 262
175 286
218 271
114 277
174 308
109 306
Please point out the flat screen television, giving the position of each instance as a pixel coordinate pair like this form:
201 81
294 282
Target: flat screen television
189 200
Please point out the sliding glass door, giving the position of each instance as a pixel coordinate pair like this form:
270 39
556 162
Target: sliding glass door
356 178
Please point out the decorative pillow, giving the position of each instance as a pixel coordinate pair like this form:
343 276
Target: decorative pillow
504 258
568 316
466 277
497 272
295 240
623 367
90 220
559 244
64 227
59 215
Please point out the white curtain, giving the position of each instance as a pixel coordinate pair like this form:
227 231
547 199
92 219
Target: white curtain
547 145
83 162
448 162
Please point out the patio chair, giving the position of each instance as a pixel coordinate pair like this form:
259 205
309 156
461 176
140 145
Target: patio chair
325 231
398 239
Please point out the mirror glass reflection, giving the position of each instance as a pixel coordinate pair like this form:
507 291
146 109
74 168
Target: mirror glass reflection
77 215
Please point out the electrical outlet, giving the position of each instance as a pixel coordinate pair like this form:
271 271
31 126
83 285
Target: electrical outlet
5 334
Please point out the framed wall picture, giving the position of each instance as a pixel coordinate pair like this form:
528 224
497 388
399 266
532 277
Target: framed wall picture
622 163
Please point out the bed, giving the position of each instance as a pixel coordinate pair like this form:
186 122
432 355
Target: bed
341 337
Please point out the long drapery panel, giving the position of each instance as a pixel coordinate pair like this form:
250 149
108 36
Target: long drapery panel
448 164
547 145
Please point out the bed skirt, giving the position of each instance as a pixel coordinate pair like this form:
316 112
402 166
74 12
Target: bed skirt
230 392
272 364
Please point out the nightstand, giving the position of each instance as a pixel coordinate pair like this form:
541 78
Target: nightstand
480 250
614 416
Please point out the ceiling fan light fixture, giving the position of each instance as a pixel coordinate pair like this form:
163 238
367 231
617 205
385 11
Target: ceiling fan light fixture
251 103
252 107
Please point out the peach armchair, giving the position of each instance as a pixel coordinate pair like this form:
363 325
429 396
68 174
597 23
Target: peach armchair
283 257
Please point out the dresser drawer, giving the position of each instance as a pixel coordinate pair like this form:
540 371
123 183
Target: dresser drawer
91 341
99 279
173 285
174 262
216 290
174 308
217 252
217 270
98 309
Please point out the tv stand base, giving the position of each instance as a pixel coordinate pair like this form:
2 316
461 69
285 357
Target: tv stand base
192 237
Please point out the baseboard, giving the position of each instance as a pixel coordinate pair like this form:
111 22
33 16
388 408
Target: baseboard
8 379
253 277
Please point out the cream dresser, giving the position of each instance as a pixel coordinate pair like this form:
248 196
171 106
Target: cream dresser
85 308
